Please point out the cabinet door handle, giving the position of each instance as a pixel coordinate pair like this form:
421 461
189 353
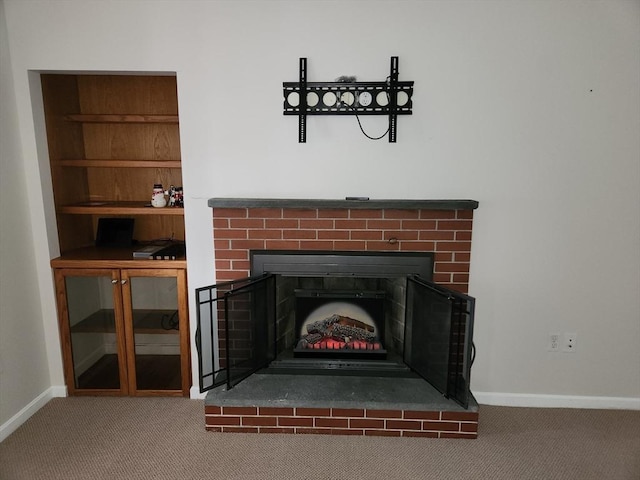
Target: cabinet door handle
114 281
123 282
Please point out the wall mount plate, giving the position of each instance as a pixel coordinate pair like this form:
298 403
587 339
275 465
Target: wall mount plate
391 97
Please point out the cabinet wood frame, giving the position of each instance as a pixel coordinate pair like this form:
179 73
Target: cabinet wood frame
124 329
110 138
183 328
65 329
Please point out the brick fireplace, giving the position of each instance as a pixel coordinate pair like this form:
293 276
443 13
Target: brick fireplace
443 228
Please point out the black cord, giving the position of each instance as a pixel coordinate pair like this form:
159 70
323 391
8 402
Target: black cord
170 322
388 80
473 353
362 129
365 133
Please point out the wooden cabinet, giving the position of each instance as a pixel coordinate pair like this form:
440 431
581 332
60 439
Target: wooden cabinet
124 331
110 139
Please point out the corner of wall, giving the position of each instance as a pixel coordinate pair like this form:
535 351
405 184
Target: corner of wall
30 409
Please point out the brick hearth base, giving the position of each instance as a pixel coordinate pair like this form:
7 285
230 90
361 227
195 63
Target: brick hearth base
338 405
342 421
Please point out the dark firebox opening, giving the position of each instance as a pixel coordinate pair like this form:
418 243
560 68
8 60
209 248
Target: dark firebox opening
337 276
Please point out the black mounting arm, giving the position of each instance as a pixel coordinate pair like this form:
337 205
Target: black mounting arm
391 97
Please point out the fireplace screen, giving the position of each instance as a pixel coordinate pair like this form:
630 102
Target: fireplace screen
243 311
438 333
243 326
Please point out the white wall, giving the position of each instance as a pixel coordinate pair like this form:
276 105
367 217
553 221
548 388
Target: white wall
24 373
531 108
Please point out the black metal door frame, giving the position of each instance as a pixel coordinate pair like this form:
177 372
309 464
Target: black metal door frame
439 337
259 331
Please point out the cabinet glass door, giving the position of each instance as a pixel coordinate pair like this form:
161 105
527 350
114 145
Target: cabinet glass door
91 327
154 323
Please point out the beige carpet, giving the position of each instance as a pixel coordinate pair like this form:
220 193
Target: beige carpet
164 438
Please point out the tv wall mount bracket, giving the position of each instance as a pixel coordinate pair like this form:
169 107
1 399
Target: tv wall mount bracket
390 97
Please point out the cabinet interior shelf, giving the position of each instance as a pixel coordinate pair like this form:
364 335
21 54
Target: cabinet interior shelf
119 163
119 118
118 208
144 321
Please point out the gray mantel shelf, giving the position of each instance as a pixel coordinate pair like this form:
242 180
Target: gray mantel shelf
341 204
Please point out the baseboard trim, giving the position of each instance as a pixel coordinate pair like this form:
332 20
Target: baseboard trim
483 398
195 394
36 404
556 401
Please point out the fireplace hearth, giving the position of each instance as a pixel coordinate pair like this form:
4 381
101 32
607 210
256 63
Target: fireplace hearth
320 313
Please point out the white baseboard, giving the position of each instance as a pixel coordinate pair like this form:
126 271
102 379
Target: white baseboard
194 393
556 401
483 398
36 404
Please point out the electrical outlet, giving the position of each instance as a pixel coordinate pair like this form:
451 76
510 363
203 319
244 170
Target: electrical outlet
554 342
569 342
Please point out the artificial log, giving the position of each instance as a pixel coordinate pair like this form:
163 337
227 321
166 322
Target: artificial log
340 328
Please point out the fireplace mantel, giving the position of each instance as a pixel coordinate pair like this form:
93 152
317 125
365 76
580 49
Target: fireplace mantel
373 204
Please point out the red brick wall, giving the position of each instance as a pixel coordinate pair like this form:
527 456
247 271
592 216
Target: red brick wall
342 421
445 232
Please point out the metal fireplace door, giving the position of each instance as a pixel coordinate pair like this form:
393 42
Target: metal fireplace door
238 318
439 337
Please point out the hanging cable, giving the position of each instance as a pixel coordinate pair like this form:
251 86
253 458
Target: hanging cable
388 80
367 135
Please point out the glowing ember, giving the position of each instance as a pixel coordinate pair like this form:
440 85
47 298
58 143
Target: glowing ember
338 332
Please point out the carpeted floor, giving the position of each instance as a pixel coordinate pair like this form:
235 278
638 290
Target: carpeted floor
164 438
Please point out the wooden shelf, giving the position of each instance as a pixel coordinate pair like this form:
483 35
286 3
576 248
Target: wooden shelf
119 163
118 208
111 138
111 118
105 257
144 321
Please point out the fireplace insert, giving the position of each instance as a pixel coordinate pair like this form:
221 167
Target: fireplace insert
368 306
339 324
